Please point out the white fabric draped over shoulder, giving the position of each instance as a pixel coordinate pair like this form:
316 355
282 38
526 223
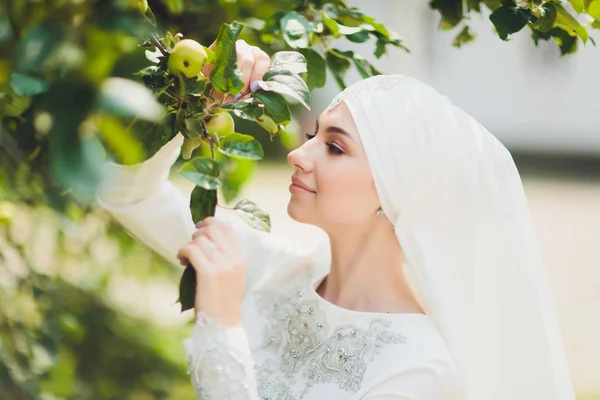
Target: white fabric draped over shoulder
455 197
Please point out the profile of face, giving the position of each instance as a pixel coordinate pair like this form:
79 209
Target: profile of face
333 166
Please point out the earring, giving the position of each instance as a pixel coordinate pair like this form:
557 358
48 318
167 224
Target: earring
380 211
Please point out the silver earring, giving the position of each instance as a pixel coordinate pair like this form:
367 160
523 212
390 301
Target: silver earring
380 211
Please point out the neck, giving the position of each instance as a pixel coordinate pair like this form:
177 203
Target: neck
367 271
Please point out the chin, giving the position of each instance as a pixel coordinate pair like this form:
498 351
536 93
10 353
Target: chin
297 213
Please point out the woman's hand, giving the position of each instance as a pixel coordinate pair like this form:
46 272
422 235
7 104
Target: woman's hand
220 266
252 62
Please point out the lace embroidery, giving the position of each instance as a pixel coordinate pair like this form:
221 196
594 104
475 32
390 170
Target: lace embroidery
217 371
297 330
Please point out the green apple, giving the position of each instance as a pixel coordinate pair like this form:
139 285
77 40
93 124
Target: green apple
143 6
221 123
188 58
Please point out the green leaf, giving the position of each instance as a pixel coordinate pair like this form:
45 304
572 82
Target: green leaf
175 6
275 106
288 61
365 69
493 4
338 65
451 10
153 135
204 172
349 30
568 23
567 43
380 47
247 109
594 9
509 18
465 36
295 30
578 5
193 128
358 37
27 85
287 84
76 154
36 47
187 288
195 87
474 5
210 55
317 69
380 28
548 18
126 98
202 203
268 124
237 145
121 141
331 24
253 215
235 172
225 77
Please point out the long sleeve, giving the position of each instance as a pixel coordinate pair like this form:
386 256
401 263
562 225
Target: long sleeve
435 380
220 361
155 211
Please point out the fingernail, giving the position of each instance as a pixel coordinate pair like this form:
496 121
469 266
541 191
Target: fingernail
198 224
237 96
254 85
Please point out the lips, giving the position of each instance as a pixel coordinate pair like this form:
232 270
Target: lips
297 182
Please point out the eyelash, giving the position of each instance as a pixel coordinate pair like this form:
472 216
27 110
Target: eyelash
332 149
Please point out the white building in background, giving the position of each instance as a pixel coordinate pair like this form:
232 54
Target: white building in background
531 98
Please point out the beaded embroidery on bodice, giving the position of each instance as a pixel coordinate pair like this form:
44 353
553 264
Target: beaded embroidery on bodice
305 348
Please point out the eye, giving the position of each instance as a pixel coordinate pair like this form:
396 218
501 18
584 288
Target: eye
334 149
331 148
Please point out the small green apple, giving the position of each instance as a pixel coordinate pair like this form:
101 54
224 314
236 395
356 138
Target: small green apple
188 57
143 6
221 123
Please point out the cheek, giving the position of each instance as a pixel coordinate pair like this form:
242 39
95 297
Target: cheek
346 187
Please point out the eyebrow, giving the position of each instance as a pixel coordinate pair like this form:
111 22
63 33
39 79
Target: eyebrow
335 129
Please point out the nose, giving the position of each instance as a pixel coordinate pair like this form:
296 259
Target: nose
298 159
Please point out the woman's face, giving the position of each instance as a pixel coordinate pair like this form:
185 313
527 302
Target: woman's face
332 164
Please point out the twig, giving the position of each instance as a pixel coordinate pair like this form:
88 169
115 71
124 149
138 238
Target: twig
160 46
208 136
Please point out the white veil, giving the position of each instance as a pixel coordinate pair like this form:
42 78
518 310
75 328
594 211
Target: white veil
455 197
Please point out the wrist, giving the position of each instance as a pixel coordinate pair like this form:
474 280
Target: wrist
225 320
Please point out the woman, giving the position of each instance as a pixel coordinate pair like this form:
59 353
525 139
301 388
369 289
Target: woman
433 288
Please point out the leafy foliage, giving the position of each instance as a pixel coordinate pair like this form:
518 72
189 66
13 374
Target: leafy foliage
547 19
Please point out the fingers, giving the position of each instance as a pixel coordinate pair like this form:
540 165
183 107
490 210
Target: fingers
215 234
261 63
253 63
194 255
245 62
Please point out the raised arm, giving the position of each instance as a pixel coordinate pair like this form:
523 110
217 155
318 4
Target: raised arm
156 212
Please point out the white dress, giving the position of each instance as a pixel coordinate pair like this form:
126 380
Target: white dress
292 344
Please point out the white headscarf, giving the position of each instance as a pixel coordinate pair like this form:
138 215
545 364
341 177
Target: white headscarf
455 197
